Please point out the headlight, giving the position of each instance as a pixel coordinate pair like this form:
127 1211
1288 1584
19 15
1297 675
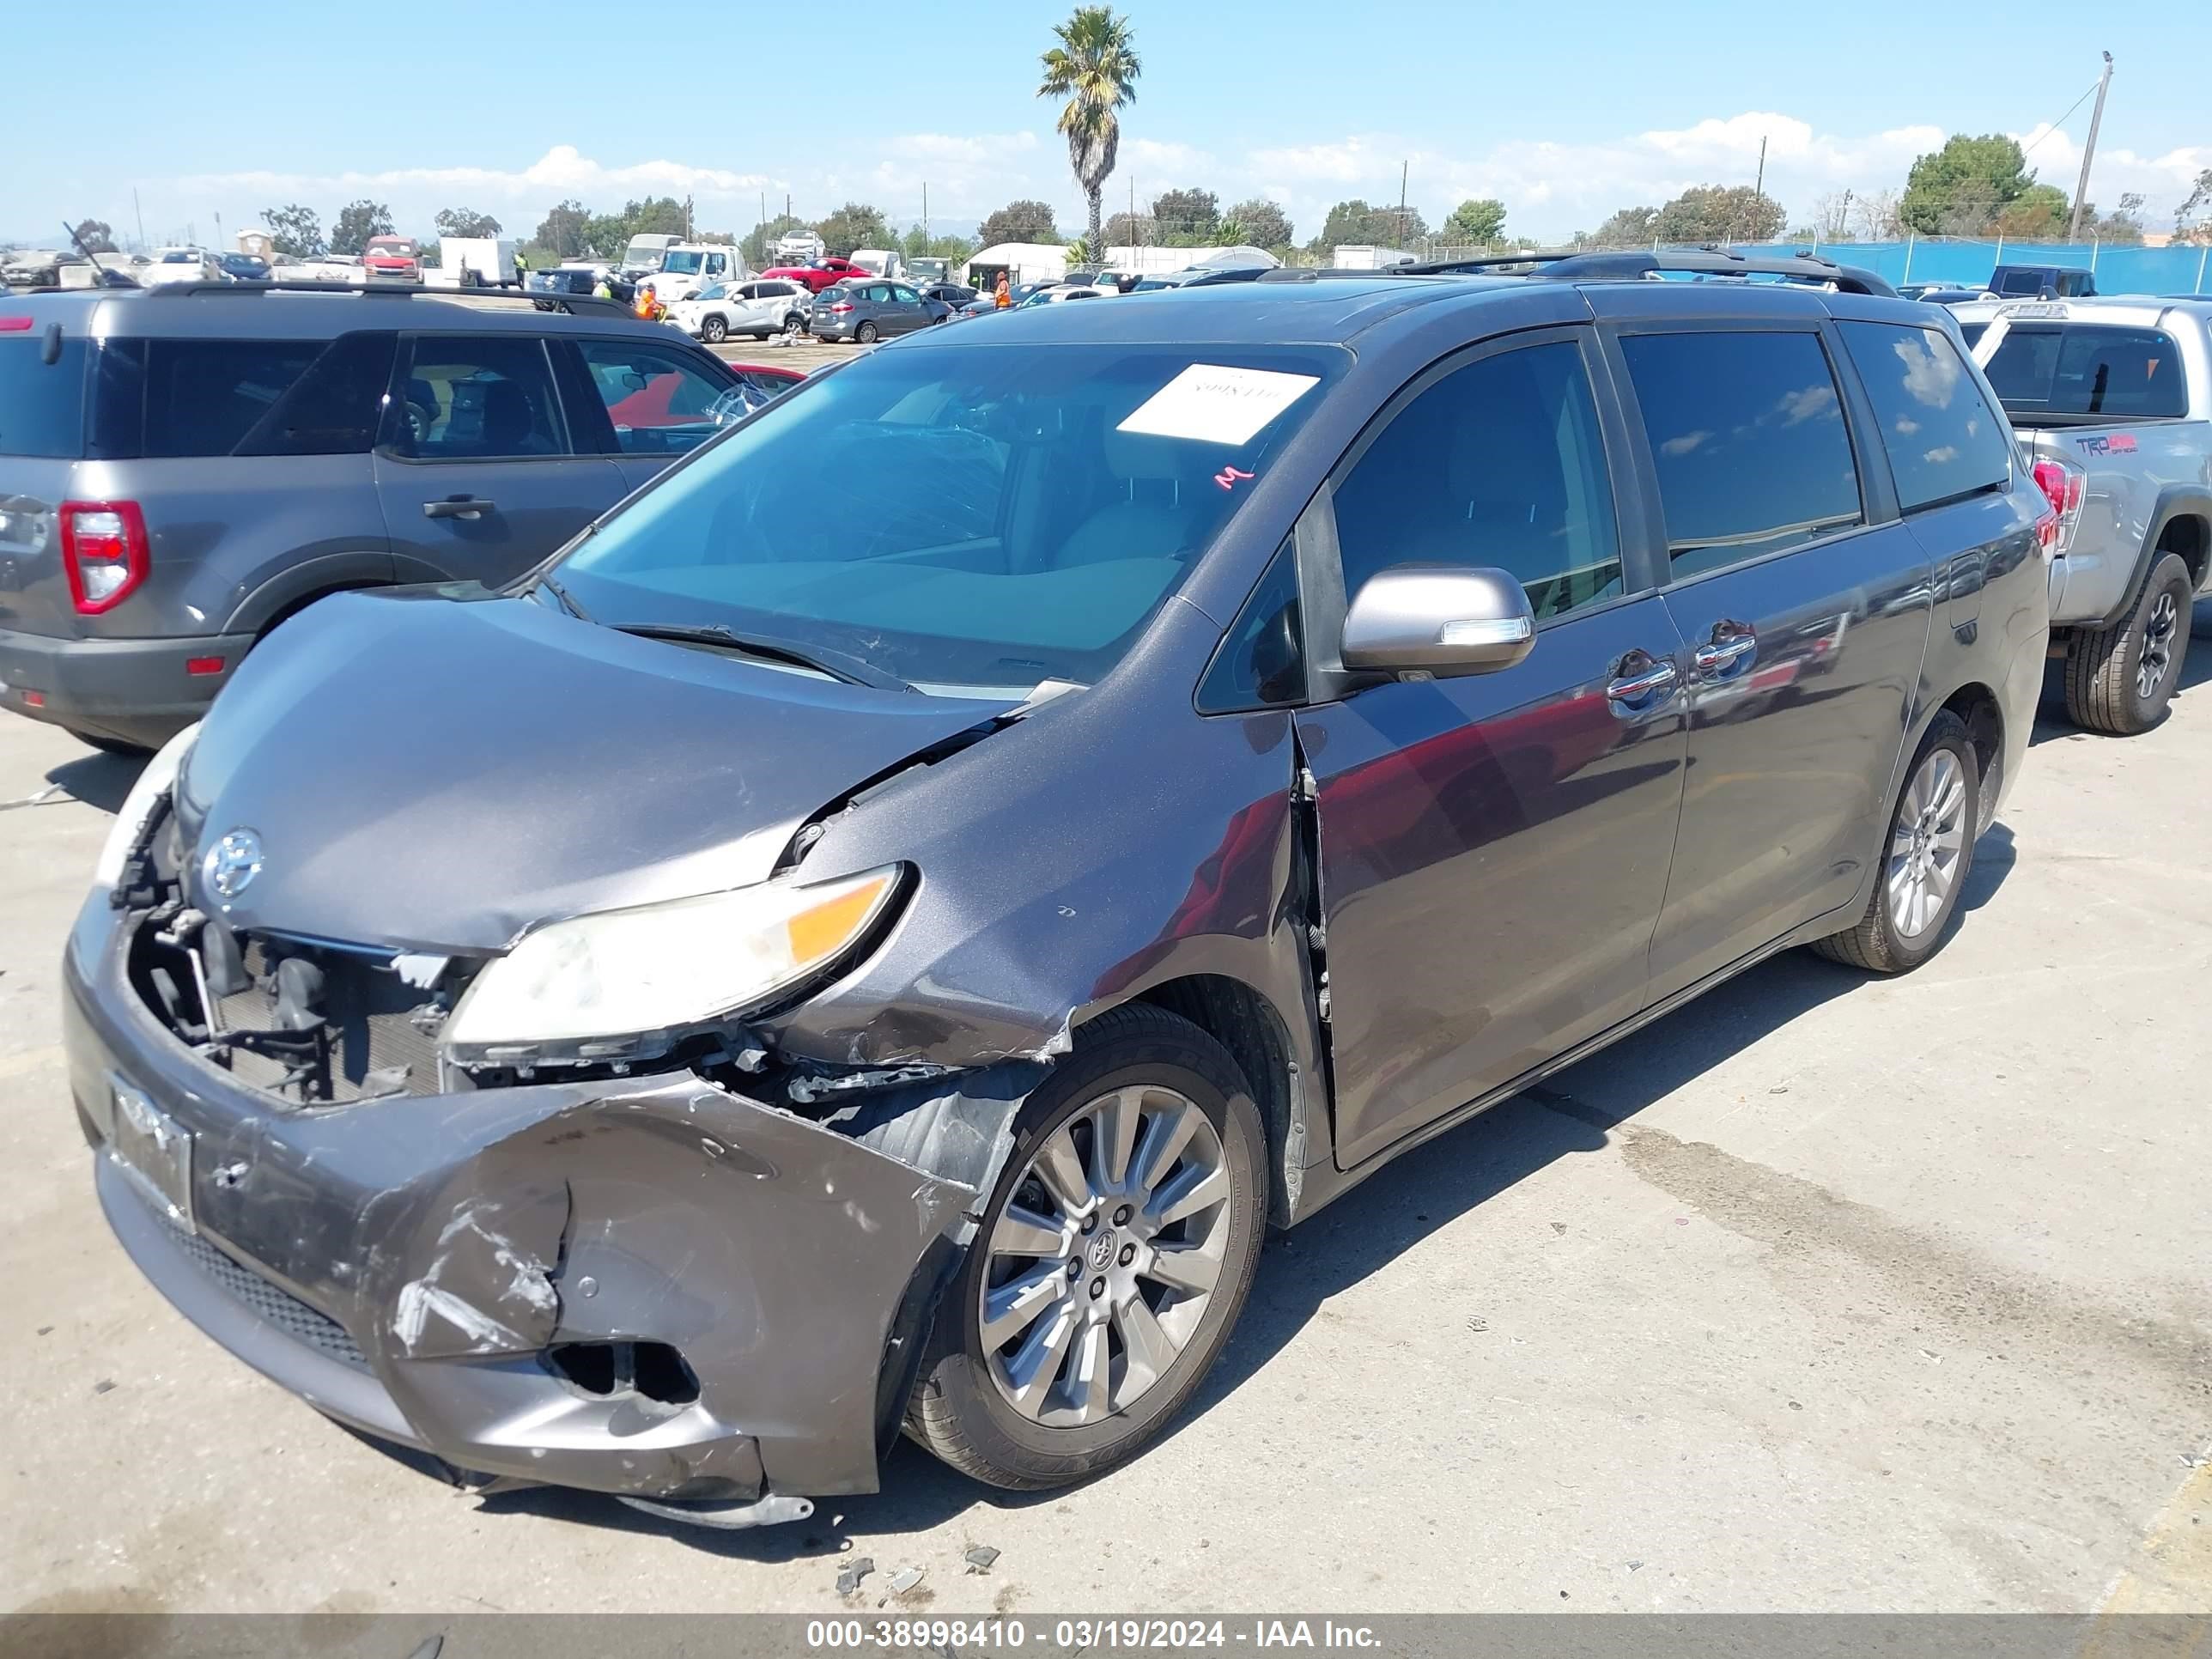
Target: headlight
138 806
587 986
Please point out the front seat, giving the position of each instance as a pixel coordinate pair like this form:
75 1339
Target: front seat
510 426
1149 519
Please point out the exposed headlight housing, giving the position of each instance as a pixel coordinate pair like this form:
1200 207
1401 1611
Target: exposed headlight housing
622 984
153 782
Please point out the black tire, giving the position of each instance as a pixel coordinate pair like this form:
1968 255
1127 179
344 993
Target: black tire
1877 943
865 334
109 745
794 327
2120 679
714 330
957 1410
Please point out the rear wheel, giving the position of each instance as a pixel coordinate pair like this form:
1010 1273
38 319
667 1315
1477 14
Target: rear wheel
715 329
866 334
1115 1254
2119 679
1924 860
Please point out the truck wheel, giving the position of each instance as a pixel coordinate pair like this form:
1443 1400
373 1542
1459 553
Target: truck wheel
1924 860
1114 1256
2119 679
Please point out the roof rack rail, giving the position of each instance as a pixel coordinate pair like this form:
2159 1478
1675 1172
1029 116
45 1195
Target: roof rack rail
1479 263
539 298
1807 267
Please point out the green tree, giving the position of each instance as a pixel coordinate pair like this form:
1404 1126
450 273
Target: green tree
1353 223
465 221
853 225
97 235
357 222
953 250
610 234
1131 230
1265 224
1094 68
1629 226
1081 251
1719 213
2124 226
2190 219
1186 218
1476 224
1019 221
560 232
295 230
1960 189
2037 214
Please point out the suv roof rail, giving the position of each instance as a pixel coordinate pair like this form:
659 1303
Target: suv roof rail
542 299
1808 267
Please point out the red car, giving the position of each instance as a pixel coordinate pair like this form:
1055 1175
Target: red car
392 258
821 275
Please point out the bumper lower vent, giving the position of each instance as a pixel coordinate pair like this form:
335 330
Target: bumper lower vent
273 1304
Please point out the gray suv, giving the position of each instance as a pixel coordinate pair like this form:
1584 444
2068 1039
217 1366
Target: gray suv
182 469
881 956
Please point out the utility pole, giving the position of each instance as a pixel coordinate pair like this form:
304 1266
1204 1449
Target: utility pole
1759 188
1402 168
139 214
2089 151
925 213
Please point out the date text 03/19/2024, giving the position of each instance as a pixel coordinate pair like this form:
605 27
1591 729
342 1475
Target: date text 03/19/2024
1082 1635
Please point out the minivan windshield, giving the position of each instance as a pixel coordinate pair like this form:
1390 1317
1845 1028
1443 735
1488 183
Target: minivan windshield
963 518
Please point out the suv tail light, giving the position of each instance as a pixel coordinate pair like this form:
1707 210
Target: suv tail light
2063 484
103 552
841 308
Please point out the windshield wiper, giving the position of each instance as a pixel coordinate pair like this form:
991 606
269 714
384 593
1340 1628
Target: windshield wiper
835 663
568 602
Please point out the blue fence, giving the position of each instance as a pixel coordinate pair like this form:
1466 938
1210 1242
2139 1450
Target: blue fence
2119 270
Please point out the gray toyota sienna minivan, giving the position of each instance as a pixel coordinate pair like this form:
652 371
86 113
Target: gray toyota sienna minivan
184 468
817 959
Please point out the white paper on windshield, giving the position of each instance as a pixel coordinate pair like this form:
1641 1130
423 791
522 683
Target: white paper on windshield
1214 404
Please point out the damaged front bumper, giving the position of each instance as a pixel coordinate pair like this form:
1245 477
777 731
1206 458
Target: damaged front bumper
649 1286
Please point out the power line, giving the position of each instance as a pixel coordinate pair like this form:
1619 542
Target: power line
2061 122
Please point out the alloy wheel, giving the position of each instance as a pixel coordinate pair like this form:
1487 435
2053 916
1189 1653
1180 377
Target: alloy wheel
2158 646
1106 1257
1927 843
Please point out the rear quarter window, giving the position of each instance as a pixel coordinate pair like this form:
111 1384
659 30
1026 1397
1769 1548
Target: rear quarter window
1944 441
203 397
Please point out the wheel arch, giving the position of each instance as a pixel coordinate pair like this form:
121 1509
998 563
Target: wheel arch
2180 523
1245 1023
295 587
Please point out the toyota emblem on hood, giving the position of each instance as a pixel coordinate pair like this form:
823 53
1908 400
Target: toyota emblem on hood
233 862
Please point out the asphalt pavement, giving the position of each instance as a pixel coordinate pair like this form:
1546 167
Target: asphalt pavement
1825 1293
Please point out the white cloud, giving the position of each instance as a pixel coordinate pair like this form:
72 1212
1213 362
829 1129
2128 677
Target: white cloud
2162 180
1152 160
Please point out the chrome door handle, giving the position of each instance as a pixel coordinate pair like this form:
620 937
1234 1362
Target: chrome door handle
458 507
1635 687
1724 653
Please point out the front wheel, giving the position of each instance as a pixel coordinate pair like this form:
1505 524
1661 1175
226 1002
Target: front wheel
866 334
1924 860
715 329
2119 679
1116 1252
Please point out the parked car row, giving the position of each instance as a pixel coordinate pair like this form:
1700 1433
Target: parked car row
475 1003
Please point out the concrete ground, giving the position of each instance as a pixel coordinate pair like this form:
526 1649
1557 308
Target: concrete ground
778 352
1822 1294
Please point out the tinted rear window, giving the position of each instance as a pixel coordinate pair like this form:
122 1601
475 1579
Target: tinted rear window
1944 441
2084 370
204 396
1747 436
41 404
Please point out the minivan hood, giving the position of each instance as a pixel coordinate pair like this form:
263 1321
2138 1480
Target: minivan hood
438 774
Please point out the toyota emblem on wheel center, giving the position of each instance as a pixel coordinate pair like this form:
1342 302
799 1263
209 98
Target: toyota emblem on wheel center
233 862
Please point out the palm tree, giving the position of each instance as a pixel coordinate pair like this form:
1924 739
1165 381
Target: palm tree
1094 68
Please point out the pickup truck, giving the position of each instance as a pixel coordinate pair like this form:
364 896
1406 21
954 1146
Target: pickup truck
2111 398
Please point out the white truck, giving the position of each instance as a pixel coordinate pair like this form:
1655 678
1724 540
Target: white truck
644 254
687 268
476 262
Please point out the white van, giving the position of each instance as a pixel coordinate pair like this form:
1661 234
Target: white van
881 260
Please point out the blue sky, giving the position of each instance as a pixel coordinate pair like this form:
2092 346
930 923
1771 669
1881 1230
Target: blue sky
1566 111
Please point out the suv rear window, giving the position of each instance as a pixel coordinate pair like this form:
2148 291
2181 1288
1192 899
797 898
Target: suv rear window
204 396
41 404
2083 369
1747 437
1944 441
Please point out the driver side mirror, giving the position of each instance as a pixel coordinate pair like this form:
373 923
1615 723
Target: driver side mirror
1437 619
